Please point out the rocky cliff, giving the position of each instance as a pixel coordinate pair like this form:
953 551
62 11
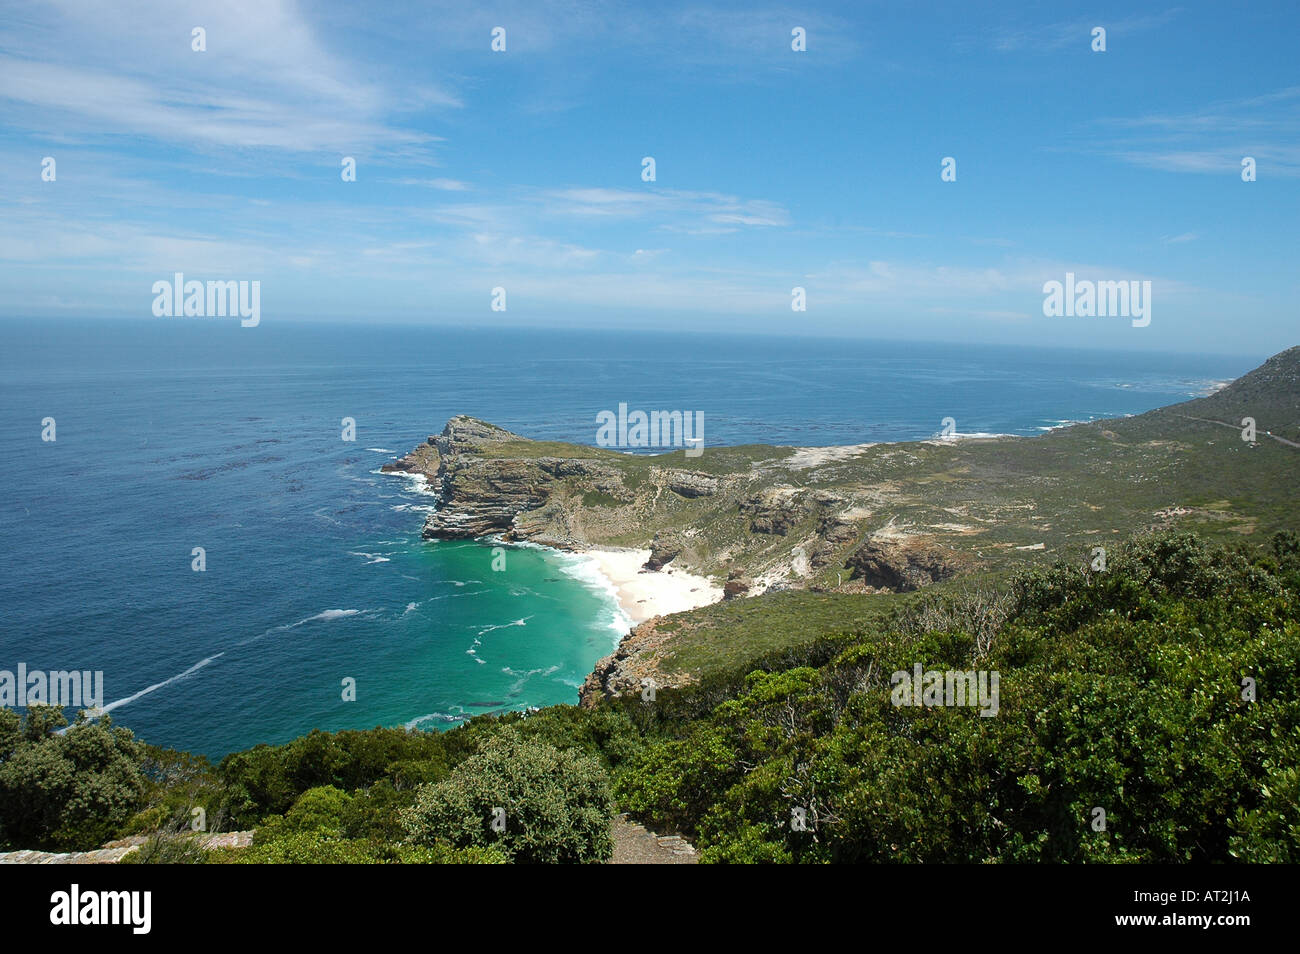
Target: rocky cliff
730 521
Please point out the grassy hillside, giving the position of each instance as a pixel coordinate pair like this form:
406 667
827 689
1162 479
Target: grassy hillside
726 635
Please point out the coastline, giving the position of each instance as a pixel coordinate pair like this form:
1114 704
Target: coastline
638 594
644 594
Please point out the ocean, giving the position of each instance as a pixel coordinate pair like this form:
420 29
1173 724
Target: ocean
176 434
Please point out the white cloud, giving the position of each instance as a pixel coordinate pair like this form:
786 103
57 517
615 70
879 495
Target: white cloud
265 80
1214 139
697 213
443 185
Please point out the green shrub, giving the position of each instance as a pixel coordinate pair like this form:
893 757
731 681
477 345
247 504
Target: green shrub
321 848
65 792
162 849
320 810
556 803
266 780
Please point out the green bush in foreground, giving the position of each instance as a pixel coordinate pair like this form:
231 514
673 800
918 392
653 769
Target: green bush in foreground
328 826
266 780
323 848
555 803
70 791
168 849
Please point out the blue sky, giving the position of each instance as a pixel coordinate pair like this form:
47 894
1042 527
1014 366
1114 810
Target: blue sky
775 168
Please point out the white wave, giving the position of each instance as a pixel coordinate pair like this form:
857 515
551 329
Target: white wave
434 599
586 570
417 483
1060 424
525 676
438 717
524 544
456 596
518 622
157 685
325 617
370 557
380 450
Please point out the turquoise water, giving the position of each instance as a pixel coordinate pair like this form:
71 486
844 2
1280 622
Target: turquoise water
180 434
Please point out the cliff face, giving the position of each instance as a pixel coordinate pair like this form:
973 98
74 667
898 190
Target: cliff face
631 668
490 481
479 495
905 565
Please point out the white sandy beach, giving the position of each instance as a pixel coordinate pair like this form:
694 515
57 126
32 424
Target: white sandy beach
646 594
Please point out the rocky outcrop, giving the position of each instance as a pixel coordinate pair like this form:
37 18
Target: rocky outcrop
737 585
479 494
113 852
664 548
836 530
776 511
482 496
903 564
468 435
690 483
462 434
486 488
424 460
631 668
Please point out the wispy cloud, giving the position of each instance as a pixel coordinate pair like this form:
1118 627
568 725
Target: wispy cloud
443 185
1054 37
1213 139
695 213
264 81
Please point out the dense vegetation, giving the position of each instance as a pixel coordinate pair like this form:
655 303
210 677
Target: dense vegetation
1164 690
61 790
1121 690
